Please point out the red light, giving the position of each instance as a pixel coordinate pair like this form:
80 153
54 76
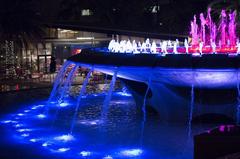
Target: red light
17 87
76 51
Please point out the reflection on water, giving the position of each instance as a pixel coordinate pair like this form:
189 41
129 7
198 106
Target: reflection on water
117 137
15 87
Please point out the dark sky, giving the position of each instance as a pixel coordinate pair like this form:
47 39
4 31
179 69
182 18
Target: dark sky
50 8
174 14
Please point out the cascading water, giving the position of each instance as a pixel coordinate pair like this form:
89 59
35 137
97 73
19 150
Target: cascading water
58 80
67 83
82 91
144 109
108 97
207 33
191 113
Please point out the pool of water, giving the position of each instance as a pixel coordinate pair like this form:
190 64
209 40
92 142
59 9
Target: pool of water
120 135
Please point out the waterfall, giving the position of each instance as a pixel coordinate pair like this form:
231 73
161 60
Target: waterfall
58 80
191 112
108 97
82 91
144 109
67 83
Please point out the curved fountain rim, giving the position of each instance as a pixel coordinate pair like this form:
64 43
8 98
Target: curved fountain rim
175 61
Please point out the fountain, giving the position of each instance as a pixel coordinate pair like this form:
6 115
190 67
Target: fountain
68 83
160 73
82 91
191 113
144 110
108 97
204 37
58 80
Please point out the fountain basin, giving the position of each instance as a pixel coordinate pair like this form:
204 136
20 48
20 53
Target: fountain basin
206 71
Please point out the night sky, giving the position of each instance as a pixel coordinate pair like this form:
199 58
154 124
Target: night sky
173 16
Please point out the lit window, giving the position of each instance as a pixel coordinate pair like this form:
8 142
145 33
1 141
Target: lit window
86 12
155 9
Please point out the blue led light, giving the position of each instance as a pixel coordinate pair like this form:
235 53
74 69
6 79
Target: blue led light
45 144
63 149
85 153
124 94
23 130
33 140
108 157
8 121
18 125
26 111
45 136
64 138
65 104
20 114
25 135
41 116
91 122
131 152
36 107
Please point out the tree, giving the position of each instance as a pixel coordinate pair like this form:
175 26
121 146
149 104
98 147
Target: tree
20 25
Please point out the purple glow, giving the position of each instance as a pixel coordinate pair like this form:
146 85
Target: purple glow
206 37
222 128
227 31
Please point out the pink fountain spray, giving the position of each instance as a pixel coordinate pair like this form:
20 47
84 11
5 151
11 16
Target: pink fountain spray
232 29
223 25
203 30
209 34
194 32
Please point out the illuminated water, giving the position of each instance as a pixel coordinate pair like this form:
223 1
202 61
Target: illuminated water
117 137
106 103
79 99
191 112
58 81
144 109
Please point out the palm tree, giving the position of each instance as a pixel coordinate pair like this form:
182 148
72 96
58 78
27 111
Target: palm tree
20 25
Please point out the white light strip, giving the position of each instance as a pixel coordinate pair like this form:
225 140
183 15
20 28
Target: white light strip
85 38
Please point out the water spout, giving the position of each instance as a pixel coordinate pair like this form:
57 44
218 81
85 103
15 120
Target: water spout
191 113
108 97
82 91
144 108
67 83
58 80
